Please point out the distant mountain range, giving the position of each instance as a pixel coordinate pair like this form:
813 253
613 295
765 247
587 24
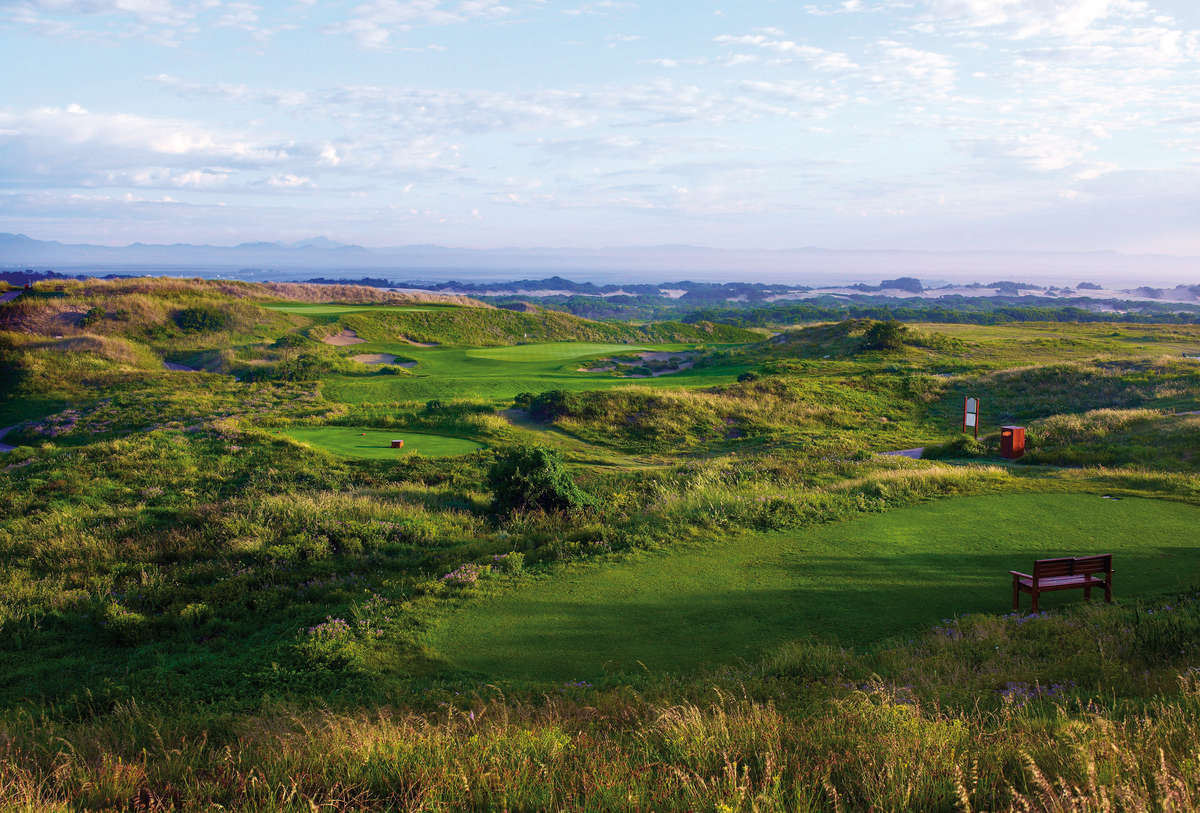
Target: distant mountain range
266 260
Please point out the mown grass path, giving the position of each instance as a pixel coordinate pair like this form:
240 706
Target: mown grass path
375 444
853 582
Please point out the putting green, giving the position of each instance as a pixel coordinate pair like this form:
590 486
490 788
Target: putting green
350 441
554 351
852 582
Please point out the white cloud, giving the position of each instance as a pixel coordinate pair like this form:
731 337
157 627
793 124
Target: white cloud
819 58
1027 18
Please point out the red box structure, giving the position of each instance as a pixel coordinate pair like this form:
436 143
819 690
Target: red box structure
396 444
1012 441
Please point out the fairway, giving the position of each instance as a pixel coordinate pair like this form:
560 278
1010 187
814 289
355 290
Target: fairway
853 582
499 373
555 351
375 444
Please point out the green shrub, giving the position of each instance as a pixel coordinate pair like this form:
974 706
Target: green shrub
201 319
533 477
889 335
124 626
512 563
93 315
961 446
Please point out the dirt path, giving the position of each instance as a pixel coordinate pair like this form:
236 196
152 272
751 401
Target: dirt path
915 454
4 447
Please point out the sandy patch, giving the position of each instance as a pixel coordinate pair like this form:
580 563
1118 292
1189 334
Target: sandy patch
650 355
381 358
4 447
344 339
178 368
407 340
10 296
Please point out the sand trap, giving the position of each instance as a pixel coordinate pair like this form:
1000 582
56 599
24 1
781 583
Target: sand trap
381 358
407 340
178 368
4 447
649 355
344 339
10 296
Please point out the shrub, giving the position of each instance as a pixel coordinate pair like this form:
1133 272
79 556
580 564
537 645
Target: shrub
548 406
512 564
289 341
93 315
201 319
533 477
329 645
124 626
887 335
961 446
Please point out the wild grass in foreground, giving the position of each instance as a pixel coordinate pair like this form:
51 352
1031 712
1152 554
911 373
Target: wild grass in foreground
972 715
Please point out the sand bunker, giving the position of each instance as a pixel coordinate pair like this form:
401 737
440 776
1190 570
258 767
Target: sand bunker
381 358
344 339
178 368
685 361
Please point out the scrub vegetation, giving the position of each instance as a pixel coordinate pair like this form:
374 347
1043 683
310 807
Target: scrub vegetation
221 587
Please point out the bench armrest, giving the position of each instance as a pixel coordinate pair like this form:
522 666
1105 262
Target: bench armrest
1018 573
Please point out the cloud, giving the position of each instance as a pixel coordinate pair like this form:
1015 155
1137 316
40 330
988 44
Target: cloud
373 23
819 58
1028 18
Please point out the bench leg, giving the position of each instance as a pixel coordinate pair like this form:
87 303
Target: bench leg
1087 592
1034 609
1108 590
1016 594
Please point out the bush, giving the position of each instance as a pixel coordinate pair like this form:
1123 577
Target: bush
289 341
512 564
961 446
887 335
533 477
201 319
93 315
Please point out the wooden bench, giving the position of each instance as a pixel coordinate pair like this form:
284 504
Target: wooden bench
1069 573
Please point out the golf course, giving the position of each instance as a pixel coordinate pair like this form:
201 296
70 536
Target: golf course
288 547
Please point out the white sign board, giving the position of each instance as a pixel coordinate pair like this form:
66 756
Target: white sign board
971 418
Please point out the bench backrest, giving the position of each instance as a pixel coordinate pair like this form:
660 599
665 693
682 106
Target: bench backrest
1093 564
1049 568
1072 566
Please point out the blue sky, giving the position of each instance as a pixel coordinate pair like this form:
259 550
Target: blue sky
921 124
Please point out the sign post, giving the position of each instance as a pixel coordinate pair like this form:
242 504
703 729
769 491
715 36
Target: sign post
971 415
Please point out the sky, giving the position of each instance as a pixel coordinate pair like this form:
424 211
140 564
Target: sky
1041 125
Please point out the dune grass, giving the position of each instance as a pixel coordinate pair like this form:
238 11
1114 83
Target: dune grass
853 583
375 444
330 309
